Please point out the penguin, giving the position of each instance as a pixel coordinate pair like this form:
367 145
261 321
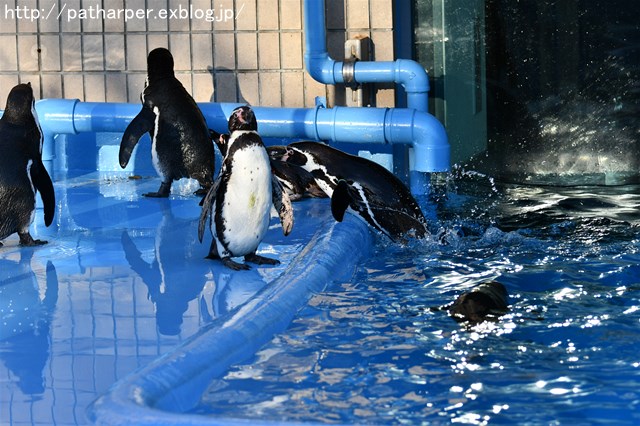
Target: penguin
296 181
22 173
238 205
486 301
371 191
181 145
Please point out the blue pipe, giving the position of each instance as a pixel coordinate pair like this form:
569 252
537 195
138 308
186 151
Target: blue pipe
410 74
338 124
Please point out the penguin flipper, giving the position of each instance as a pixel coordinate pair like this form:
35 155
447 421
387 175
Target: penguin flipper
42 182
282 204
207 205
389 220
341 199
141 124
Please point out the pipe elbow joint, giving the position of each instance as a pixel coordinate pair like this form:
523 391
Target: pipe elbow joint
432 152
321 67
412 76
56 116
425 133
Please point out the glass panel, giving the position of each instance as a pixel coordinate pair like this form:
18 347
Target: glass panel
562 86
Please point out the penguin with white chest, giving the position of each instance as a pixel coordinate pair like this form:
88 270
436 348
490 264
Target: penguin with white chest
22 173
181 145
238 204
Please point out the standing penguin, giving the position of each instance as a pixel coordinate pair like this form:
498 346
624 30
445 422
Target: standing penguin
181 146
371 191
240 200
22 172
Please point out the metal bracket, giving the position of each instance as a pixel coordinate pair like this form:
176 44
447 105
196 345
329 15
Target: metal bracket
357 49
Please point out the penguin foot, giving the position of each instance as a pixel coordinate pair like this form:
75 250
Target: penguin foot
235 265
163 192
26 240
156 195
261 260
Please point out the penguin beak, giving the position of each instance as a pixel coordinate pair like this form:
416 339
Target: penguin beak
288 154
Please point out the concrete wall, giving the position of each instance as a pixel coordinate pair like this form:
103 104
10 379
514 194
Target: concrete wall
251 52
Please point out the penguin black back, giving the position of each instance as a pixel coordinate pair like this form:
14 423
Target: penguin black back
376 194
181 143
22 172
487 301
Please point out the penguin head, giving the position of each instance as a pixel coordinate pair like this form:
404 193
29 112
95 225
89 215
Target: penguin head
243 118
487 301
159 63
277 152
295 156
20 104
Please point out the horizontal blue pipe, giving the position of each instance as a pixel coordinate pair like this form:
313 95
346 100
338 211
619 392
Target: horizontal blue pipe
158 393
410 74
338 124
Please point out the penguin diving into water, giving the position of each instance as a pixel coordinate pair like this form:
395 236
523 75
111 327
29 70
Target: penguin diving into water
181 145
238 205
22 173
370 190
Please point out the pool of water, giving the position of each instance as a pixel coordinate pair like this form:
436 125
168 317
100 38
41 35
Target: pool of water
123 285
372 350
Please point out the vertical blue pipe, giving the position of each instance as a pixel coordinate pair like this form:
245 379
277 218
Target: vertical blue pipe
410 74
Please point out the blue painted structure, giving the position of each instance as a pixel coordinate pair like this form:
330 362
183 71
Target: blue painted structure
159 393
410 74
338 124
413 125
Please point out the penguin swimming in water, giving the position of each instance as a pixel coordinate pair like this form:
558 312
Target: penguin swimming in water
485 302
181 146
22 172
374 193
239 202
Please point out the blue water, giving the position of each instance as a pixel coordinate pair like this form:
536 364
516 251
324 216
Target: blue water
123 282
373 351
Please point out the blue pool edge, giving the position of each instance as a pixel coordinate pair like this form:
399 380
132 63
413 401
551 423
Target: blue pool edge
160 392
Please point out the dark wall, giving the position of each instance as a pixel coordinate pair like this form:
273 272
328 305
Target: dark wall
563 82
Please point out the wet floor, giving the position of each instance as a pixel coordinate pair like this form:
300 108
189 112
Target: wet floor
122 280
